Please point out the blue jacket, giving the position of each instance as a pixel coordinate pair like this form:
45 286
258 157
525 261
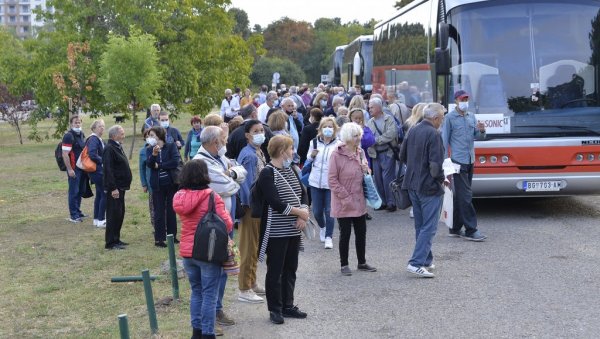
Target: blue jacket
167 159
173 135
145 172
248 159
188 144
458 134
95 150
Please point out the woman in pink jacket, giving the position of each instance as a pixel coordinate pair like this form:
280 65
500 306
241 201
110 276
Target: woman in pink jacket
191 204
347 166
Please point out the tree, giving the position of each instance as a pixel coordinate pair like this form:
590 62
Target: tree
402 3
289 39
240 17
129 74
265 67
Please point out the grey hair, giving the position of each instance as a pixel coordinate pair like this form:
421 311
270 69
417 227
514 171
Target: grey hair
227 91
286 100
113 131
247 111
337 100
293 90
210 134
348 130
376 101
351 90
96 123
153 106
430 111
272 95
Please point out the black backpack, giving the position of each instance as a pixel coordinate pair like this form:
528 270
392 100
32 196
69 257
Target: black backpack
211 238
59 158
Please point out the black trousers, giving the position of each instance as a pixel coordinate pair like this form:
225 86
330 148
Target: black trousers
282 263
464 211
360 238
115 213
165 221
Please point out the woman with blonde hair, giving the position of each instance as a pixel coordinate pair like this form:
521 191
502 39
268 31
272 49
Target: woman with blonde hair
358 102
416 116
95 147
277 122
320 101
319 153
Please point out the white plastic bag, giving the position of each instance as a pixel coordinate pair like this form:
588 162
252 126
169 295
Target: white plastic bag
447 208
449 167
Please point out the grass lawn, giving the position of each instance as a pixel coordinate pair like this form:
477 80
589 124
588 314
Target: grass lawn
55 275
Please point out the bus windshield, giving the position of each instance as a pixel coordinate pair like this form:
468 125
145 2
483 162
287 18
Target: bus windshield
532 67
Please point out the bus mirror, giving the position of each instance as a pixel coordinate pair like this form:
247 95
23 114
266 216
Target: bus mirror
442 61
443 35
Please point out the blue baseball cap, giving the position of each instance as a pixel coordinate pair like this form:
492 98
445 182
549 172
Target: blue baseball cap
460 94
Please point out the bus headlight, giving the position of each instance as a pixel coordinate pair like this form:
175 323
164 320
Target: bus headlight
590 157
482 160
579 157
504 159
493 159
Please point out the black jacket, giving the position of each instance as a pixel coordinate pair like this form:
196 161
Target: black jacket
117 173
167 160
423 153
309 132
237 141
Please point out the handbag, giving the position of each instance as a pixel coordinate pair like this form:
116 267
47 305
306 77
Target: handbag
370 192
84 161
305 174
400 195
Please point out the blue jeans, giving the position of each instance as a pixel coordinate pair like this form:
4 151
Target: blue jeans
100 199
74 197
384 172
204 281
426 209
321 206
222 285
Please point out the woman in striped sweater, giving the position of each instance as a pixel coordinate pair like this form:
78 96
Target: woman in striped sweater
285 213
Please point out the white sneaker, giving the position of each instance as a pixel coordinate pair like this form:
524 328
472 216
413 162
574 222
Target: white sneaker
259 290
101 224
328 243
322 234
419 271
411 214
96 222
250 297
431 267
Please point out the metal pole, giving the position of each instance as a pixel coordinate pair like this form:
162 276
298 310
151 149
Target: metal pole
150 301
123 326
130 278
173 266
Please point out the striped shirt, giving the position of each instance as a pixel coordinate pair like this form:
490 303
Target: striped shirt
290 192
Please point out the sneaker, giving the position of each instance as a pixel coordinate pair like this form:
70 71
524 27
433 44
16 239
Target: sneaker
322 234
276 318
122 243
346 271
75 221
431 267
250 297
419 271
218 330
223 319
474 237
96 222
366 267
101 224
328 243
391 208
454 234
83 216
258 289
293 312
411 214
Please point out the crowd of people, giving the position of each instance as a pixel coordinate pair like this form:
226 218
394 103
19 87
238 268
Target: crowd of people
249 156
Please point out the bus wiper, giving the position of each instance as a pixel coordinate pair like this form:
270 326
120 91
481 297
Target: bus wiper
567 127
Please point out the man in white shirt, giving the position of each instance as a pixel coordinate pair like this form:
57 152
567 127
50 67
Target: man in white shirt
229 106
264 108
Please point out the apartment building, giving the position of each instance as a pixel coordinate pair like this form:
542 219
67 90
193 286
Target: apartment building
18 16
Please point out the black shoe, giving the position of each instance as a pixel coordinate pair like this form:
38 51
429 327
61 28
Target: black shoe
115 247
369 217
276 318
391 208
293 312
381 208
122 243
197 333
83 216
160 244
366 267
176 241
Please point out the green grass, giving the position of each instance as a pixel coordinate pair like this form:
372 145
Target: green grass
55 279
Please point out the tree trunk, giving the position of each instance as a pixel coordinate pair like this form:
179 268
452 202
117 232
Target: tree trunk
134 129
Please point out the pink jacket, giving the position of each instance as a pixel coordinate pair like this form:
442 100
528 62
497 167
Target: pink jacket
345 183
191 206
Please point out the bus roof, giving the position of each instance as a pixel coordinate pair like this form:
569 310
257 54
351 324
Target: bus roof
340 47
361 38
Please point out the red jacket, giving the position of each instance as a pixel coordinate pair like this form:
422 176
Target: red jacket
191 206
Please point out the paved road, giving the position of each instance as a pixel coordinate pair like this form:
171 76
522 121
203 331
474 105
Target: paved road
536 276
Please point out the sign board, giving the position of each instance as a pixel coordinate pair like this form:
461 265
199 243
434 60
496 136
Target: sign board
495 123
324 77
276 77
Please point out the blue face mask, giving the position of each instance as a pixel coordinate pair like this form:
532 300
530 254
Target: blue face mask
323 103
164 124
276 103
327 132
287 163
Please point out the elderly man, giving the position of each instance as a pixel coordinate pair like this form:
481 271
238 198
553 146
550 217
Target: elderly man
229 106
424 152
336 103
298 100
172 134
383 152
117 179
224 180
458 134
295 123
263 109
152 120
237 139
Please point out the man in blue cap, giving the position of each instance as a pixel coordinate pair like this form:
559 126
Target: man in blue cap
459 131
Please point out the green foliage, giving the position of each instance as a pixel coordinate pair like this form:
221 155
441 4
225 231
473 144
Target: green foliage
265 67
402 3
240 17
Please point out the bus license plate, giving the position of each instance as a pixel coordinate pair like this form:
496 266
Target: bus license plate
541 186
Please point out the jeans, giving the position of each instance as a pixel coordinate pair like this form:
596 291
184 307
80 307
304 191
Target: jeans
74 197
426 209
100 199
280 281
165 221
222 285
360 238
321 206
384 172
204 281
464 211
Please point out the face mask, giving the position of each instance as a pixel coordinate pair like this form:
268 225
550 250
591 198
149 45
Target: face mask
341 93
323 103
258 139
310 120
287 163
222 151
164 124
463 106
77 129
328 132
151 141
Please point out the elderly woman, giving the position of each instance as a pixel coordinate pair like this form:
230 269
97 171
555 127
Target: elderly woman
347 167
192 203
358 102
253 160
284 216
319 152
95 147
277 122
320 101
193 143
145 174
162 158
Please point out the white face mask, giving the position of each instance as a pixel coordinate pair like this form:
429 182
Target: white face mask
463 106
222 151
151 141
287 163
327 132
164 124
76 129
258 139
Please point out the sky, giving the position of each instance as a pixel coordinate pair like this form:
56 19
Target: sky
264 12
